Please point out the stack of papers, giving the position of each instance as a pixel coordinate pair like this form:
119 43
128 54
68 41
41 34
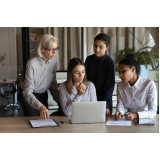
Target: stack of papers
122 122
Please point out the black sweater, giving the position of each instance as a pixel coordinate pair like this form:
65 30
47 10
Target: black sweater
101 71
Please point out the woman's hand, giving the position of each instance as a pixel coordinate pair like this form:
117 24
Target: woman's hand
44 114
118 116
81 88
131 116
108 113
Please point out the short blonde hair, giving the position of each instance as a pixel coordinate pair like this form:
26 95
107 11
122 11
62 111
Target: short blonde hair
47 41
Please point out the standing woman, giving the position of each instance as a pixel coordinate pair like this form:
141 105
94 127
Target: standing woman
40 76
76 88
100 70
138 95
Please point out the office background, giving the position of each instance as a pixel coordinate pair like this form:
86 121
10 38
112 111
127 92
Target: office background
79 13
18 45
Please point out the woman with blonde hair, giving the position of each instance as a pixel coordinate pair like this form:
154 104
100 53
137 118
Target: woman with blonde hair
40 76
76 88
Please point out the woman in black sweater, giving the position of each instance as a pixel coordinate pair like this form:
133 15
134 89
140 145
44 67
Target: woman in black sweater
100 70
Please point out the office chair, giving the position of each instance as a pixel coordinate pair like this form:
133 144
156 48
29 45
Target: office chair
6 95
3 95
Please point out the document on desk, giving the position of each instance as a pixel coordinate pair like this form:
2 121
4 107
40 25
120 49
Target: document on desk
122 122
40 123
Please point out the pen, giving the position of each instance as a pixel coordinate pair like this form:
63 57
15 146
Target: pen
126 114
62 122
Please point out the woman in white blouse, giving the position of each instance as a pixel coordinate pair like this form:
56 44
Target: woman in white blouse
138 95
76 88
40 76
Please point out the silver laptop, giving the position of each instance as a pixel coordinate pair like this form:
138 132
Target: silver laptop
88 112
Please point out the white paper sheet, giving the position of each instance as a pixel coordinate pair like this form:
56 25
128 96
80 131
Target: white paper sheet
43 123
122 122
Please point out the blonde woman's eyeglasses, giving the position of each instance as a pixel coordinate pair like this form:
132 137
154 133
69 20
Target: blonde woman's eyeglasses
55 49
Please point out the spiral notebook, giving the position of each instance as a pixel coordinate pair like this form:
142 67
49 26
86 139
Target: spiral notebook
40 123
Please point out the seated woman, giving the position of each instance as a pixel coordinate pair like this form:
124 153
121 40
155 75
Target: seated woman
76 88
138 95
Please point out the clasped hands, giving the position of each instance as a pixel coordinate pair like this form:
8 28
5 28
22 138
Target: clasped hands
128 116
81 88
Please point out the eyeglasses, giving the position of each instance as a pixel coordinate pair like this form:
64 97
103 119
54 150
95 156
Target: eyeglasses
56 49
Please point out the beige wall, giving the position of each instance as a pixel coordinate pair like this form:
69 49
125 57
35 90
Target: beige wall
8 47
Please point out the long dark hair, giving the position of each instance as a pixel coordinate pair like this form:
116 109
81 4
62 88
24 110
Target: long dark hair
130 61
72 63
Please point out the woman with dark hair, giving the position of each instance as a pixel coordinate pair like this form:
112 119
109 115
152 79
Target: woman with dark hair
138 95
100 70
76 88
